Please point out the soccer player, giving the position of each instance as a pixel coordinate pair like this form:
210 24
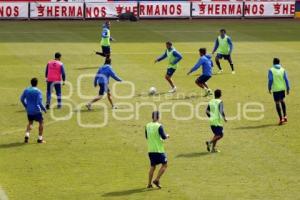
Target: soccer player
207 64
278 84
155 136
55 73
105 40
32 100
223 46
173 58
102 79
215 112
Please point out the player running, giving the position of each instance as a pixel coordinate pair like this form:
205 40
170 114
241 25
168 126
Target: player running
32 100
102 79
105 40
278 84
215 112
223 46
155 136
55 73
173 57
207 64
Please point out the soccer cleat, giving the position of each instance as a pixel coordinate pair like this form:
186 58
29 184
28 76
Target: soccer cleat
114 107
173 90
215 151
233 72
149 186
89 106
281 122
156 183
47 106
207 146
41 141
220 71
26 139
208 93
285 119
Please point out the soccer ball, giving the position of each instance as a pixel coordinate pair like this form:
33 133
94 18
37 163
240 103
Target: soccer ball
152 91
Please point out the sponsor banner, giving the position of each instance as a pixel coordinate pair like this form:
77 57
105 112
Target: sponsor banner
13 10
217 9
269 9
56 10
109 10
164 9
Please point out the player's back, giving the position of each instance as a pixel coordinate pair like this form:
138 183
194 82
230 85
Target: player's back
54 68
32 97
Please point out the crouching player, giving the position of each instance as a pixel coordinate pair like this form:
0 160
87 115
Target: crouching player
32 101
215 112
155 136
102 79
207 64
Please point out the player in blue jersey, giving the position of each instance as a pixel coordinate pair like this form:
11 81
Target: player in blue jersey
102 80
32 101
207 64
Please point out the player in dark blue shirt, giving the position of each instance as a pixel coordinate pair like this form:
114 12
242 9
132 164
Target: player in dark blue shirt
32 101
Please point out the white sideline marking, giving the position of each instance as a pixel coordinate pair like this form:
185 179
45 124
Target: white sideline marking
3 196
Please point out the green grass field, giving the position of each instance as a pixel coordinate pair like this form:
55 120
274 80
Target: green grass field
259 160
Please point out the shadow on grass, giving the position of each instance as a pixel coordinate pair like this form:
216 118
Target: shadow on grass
256 126
127 192
193 155
11 145
85 68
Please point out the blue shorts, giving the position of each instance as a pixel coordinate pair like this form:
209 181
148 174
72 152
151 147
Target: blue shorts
279 96
203 79
217 130
106 50
170 71
226 57
103 88
35 117
157 158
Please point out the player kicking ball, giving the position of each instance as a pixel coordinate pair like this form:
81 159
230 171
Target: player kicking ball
102 79
215 112
32 101
223 46
207 64
278 83
173 58
155 136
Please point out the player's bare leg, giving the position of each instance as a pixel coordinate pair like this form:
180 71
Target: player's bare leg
160 173
151 172
170 81
41 129
110 100
214 142
205 87
89 104
28 129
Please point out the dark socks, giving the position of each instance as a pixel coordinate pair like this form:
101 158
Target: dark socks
278 110
231 65
283 108
218 64
101 54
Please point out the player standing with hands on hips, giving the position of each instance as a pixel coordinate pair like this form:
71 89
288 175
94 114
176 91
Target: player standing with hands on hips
55 73
223 46
173 58
155 136
279 83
